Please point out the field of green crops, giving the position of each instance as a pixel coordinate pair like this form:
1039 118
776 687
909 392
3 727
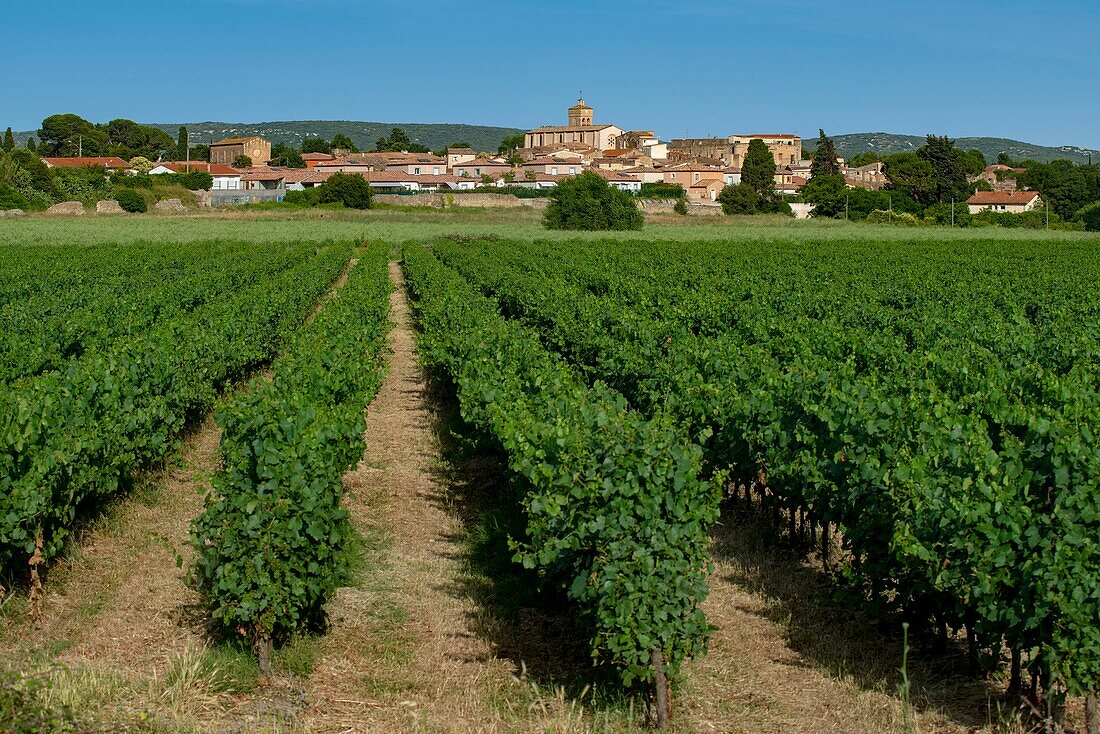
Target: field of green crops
916 410
924 415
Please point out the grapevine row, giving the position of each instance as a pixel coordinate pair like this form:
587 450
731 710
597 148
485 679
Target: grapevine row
69 439
272 542
616 514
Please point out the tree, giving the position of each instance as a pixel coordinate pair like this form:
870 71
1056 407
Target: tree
1004 159
588 202
910 173
398 141
200 152
284 155
825 162
31 146
242 161
183 143
9 141
312 144
343 141
460 145
69 135
349 189
127 139
948 167
758 170
827 193
738 198
141 164
510 143
1090 215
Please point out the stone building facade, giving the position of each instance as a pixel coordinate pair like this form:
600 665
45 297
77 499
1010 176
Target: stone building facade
226 151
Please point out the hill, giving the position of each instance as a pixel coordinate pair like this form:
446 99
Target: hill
365 134
887 143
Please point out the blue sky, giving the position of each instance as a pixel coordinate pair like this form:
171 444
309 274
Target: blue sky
1024 70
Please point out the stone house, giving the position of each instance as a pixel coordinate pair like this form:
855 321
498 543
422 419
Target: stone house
686 174
580 129
226 151
705 191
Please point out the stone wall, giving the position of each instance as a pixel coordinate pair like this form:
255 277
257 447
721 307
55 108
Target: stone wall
666 206
449 200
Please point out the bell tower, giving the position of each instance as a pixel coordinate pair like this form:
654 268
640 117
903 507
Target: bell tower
580 115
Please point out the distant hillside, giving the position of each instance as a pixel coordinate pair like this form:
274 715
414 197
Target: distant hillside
365 134
886 143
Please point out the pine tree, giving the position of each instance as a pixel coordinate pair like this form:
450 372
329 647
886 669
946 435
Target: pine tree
758 170
9 141
825 163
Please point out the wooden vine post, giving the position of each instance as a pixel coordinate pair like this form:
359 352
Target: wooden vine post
1092 715
661 687
36 591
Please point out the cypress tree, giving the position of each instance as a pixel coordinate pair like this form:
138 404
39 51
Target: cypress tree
181 147
825 163
758 170
9 141
31 146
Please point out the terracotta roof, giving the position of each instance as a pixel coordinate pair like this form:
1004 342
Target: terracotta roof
569 128
106 162
1003 197
235 141
263 175
1002 167
317 157
613 175
641 169
460 151
692 167
214 169
707 183
398 177
306 175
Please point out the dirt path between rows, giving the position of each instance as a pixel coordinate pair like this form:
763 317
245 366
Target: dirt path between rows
401 655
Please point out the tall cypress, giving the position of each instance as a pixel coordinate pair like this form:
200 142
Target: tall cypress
9 140
758 170
31 146
181 147
825 163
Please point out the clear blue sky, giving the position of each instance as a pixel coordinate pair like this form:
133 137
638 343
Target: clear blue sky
1024 70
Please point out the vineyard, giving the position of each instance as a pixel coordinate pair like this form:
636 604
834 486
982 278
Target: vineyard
913 420
924 417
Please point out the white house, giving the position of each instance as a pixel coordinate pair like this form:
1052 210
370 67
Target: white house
225 178
1011 202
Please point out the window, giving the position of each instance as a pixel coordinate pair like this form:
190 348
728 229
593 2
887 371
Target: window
435 171
554 170
572 170
416 171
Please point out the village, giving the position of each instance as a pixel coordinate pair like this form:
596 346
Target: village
241 170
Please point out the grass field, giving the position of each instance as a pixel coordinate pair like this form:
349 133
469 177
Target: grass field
437 631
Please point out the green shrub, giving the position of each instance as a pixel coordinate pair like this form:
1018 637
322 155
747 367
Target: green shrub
680 207
10 198
195 180
306 197
131 201
661 190
349 189
588 202
941 214
738 199
24 708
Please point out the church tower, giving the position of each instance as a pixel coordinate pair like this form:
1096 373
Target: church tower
580 115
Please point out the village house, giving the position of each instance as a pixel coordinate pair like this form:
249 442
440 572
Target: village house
225 178
705 191
731 175
646 174
532 180
1011 202
312 159
111 163
580 129
262 178
482 167
786 149
686 174
226 151
619 180
555 166
455 156
1000 177
418 164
